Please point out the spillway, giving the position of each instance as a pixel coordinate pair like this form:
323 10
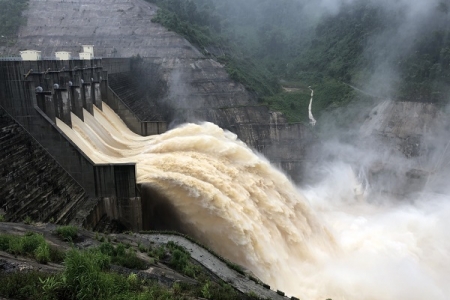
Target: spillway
329 244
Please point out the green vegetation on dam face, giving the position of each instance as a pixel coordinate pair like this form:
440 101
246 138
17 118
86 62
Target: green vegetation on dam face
10 19
390 50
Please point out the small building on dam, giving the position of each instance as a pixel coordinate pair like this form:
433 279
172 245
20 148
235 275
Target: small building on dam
44 175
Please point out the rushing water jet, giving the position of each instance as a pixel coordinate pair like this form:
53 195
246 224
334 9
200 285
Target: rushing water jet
233 200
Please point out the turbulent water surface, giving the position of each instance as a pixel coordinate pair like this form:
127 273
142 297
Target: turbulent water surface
322 242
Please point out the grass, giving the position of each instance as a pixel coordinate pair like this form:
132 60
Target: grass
23 285
122 256
87 274
28 220
30 245
67 233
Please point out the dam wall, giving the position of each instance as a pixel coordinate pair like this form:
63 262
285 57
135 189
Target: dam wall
34 94
33 185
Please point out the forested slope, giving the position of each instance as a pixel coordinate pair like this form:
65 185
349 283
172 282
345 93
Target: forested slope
399 51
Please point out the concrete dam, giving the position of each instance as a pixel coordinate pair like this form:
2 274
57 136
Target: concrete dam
41 166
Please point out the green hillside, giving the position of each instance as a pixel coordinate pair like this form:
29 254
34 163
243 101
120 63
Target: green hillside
267 44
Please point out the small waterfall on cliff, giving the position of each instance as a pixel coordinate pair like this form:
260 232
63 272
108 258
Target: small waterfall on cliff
333 245
312 121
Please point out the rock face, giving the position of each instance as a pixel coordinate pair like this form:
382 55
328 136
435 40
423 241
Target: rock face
407 124
177 82
416 135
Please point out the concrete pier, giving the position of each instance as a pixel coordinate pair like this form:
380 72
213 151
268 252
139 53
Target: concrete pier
62 102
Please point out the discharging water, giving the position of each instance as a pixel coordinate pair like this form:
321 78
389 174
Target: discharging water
324 242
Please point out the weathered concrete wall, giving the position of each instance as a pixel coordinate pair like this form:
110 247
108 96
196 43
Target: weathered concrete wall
116 28
130 118
127 211
32 183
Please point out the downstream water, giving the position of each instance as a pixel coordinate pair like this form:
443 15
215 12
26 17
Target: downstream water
323 242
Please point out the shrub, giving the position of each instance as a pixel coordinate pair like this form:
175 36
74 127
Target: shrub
179 260
68 233
30 242
205 291
83 273
223 292
253 295
142 248
27 220
158 253
56 255
120 249
32 245
108 249
4 242
42 253
129 260
123 257
23 285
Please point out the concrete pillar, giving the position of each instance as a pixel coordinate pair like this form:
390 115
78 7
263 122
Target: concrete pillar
40 100
49 108
87 98
96 94
104 87
76 77
30 92
76 101
62 105
48 83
